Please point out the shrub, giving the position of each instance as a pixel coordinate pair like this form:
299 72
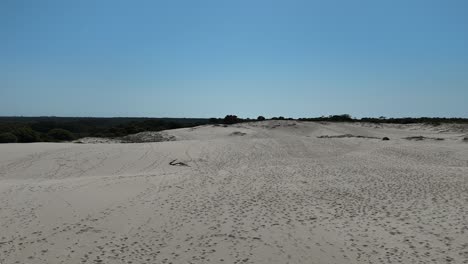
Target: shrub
26 134
45 138
340 118
59 134
231 119
278 118
8 138
260 118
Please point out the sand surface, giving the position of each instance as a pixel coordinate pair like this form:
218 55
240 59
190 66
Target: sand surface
266 192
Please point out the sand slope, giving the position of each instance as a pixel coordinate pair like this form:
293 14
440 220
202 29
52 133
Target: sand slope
266 192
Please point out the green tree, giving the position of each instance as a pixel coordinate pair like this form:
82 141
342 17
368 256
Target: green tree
8 138
231 119
59 134
26 134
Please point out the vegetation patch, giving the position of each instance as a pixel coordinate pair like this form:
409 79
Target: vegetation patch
42 129
238 133
8 138
26 134
346 136
53 129
59 134
419 138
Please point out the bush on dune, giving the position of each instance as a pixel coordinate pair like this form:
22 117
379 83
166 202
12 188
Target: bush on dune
8 138
278 118
26 134
231 119
59 134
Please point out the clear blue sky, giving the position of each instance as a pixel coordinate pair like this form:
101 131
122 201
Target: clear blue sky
208 58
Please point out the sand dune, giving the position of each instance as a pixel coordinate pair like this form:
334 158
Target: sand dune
264 192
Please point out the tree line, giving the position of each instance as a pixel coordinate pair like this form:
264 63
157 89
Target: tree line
57 129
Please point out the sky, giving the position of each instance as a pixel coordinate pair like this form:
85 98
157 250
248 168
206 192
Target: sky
210 58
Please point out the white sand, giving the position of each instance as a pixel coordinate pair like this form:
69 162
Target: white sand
277 194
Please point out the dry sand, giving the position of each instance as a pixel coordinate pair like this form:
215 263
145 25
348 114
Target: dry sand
267 192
